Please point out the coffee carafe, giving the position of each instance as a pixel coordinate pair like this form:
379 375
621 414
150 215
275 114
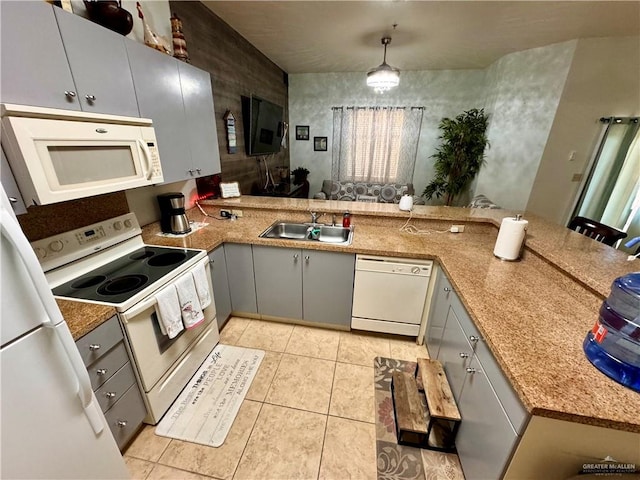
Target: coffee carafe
172 216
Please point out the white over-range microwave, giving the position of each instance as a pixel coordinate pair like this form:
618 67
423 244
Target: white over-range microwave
58 155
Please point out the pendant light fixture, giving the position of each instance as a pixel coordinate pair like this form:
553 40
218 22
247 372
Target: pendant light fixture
384 77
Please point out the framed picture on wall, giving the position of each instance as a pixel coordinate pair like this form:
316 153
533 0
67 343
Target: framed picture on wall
302 132
320 144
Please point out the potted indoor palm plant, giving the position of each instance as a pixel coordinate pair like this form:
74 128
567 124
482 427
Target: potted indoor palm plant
459 158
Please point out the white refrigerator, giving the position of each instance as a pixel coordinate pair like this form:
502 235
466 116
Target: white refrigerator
51 425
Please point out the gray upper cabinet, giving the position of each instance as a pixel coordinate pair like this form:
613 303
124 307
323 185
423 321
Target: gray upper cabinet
202 134
242 286
11 187
278 281
60 60
34 67
157 84
327 279
99 65
184 119
220 282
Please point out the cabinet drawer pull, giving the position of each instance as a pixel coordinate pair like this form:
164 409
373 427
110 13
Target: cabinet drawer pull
295 257
473 338
13 199
70 93
198 170
471 370
121 423
306 258
94 346
464 355
446 289
90 98
101 371
110 394
190 171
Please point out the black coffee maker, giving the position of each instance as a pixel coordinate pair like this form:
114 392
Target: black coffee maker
172 216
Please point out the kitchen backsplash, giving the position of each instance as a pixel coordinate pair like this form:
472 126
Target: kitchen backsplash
47 220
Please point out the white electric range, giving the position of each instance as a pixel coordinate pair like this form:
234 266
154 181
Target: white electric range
108 263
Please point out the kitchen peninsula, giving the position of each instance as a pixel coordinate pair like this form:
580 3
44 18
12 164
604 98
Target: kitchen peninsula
533 314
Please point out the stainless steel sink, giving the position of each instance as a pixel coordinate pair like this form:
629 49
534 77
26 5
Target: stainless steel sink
312 232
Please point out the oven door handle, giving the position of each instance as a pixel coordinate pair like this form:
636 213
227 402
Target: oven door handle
138 308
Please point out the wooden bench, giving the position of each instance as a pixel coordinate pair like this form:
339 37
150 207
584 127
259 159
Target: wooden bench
444 416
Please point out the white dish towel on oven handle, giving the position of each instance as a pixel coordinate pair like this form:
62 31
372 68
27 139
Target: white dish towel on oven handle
199 273
192 314
169 312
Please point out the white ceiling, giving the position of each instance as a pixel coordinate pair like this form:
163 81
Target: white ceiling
344 36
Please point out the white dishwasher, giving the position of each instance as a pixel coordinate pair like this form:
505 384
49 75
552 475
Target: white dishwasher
389 294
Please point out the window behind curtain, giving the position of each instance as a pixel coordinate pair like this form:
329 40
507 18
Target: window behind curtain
375 144
611 194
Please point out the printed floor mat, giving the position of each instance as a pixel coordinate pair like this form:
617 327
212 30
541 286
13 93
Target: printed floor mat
208 405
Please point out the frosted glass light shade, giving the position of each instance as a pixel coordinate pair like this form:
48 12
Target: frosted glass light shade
383 78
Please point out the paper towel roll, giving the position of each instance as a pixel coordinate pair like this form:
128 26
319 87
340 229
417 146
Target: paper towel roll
510 238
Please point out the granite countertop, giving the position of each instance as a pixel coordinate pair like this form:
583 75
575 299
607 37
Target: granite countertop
533 314
83 317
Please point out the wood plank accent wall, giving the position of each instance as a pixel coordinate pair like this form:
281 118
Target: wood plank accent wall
237 68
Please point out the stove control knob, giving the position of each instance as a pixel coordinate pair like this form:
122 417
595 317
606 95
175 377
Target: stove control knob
118 225
40 252
56 246
128 224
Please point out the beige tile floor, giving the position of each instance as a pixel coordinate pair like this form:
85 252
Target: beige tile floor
309 413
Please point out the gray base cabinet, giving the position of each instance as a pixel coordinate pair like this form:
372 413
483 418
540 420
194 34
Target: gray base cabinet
220 282
112 379
309 285
486 438
278 273
438 313
242 286
327 280
493 418
455 353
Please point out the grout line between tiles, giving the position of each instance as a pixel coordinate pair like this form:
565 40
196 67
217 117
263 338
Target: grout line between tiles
326 421
181 470
235 470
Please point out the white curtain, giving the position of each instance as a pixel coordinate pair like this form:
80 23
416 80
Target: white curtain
375 144
613 185
625 198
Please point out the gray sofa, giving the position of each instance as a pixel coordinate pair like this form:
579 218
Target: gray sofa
364 192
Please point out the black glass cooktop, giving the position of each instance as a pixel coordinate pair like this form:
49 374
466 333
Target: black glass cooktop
119 280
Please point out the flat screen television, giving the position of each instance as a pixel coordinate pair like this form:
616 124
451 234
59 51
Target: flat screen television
263 127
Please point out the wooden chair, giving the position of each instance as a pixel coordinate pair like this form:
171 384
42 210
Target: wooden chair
596 230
